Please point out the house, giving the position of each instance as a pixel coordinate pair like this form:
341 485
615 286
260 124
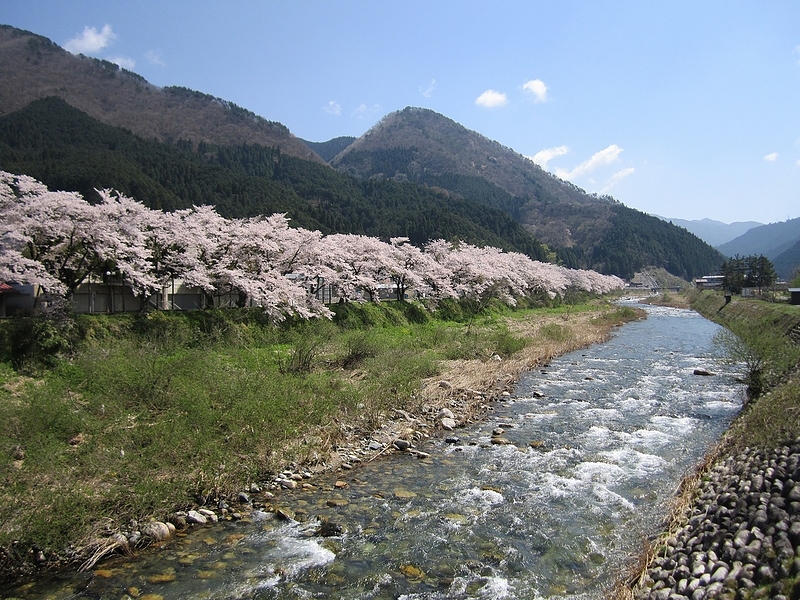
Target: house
794 296
17 298
709 282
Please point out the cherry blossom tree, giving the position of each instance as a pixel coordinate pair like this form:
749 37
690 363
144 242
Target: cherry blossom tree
57 239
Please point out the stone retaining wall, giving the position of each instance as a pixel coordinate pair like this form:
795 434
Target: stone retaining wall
742 535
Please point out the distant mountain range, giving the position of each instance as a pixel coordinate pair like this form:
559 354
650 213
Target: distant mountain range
713 232
80 123
780 242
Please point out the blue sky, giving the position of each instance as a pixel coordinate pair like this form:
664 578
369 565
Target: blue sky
678 108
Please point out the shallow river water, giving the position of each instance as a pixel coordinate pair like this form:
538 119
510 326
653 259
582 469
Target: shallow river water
599 441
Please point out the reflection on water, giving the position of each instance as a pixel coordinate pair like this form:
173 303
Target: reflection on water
598 440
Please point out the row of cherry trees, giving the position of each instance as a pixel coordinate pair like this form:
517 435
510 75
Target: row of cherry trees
57 240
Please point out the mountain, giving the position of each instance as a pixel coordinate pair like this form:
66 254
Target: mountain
328 150
777 241
424 147
68 150
33 67
78 123
714 233
770 240
787 263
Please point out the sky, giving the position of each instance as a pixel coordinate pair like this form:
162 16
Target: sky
677 108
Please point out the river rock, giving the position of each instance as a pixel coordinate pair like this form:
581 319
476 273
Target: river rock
156 531
284 514
448 424
401 444
703 373
195 517
500 441
330 529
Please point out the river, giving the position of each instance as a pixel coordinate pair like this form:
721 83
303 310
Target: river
597 443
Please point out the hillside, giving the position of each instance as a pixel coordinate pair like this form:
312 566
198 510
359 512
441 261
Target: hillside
787 263
68 150
427 148
770 240
714 233
33 67
328 150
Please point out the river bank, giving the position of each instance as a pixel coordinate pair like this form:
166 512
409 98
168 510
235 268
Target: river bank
458 391
734 530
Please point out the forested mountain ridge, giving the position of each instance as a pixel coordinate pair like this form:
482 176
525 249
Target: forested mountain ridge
424 147
779 242
68 150
770 240
328 150
33 67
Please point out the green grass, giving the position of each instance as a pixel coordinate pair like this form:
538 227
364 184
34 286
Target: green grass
132 416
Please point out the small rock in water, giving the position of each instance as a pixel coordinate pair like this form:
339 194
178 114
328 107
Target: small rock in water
404 494
500 441
448 424
284 514
452 440
412 573
330 529
703 372
401 444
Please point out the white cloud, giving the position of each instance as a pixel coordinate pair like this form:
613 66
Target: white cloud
154 58
333 108
616 178
536 87
491 99
543 157
603 157
428 92
367 111
90 40
771 157
124 62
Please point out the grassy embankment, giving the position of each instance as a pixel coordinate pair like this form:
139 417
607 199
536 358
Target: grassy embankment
150 413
